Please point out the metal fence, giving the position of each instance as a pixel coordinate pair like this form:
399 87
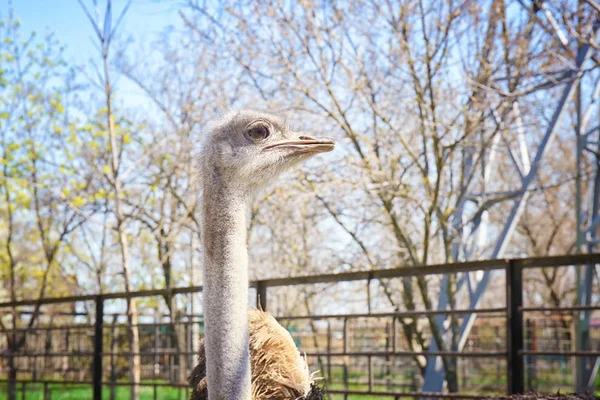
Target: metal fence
88 348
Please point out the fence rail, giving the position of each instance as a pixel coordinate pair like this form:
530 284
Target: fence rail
514 310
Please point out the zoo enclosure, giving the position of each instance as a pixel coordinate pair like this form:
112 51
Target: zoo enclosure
514 352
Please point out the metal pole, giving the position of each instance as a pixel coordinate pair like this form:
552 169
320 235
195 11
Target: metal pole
514 323
369 295
329 350
98 349
371 376
345 346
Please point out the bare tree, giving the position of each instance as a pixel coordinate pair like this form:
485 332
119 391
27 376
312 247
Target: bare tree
105 33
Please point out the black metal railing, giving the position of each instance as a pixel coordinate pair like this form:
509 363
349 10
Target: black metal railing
514 352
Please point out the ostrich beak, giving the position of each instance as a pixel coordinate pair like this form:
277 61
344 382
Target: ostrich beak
305 144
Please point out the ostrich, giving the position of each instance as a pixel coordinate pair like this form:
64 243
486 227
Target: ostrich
241 154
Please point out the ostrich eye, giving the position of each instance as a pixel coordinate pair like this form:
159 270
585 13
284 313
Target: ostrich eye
257 133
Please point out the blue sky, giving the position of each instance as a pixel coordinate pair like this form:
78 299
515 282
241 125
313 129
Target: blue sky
67 20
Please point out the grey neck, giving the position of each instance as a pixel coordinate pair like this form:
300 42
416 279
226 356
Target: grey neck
225 295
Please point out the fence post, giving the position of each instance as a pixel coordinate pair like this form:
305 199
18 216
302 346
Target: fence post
261 295
514 328
98 349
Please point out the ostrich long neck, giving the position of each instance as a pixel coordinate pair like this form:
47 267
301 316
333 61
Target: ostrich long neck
226 293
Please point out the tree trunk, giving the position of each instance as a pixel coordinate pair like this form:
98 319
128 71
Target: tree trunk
180 335
132 313
135 364
164 255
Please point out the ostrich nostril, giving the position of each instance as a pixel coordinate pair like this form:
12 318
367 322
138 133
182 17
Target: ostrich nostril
305 137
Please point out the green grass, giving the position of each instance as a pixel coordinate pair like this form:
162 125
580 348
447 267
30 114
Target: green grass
58 391
35 391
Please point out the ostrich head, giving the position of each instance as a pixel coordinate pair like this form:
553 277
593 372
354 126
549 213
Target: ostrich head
247 149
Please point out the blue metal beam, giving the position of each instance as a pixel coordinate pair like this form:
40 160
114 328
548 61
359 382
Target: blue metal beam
434 374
